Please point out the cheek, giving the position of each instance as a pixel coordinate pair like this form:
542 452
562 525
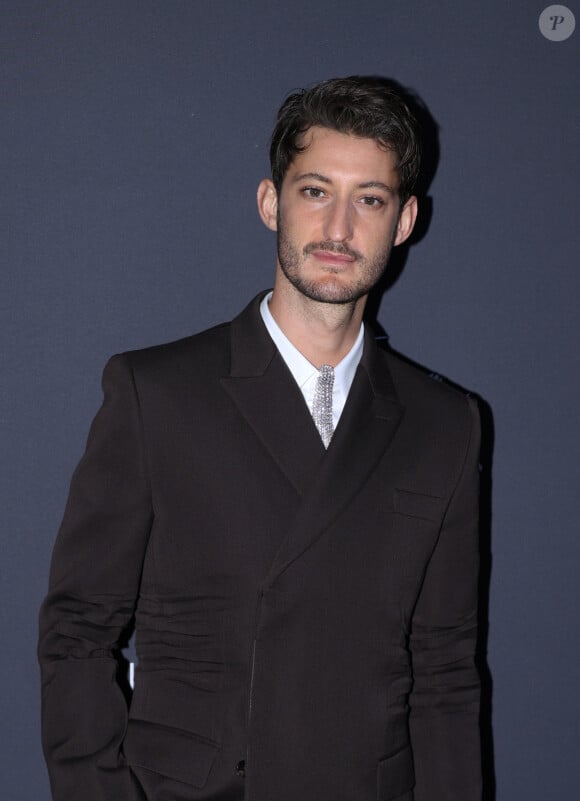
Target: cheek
371 239
384 239
302 228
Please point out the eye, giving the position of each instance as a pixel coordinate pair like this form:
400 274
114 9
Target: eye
372 200
313 192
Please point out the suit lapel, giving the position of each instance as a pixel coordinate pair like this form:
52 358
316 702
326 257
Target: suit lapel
267 396
367 426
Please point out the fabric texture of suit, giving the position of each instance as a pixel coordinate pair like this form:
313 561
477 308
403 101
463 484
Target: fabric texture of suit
305 619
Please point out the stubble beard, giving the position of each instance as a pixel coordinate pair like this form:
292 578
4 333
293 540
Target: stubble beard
291 261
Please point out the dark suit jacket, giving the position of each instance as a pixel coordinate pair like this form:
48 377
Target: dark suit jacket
306 619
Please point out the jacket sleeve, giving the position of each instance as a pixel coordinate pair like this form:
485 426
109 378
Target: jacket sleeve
94 583
444 702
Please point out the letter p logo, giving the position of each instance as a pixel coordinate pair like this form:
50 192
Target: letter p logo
556 23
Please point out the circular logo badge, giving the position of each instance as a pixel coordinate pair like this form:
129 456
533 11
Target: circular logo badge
557 23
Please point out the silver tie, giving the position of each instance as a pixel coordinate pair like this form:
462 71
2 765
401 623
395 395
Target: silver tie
322 404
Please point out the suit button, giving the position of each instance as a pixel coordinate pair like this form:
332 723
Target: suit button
241 769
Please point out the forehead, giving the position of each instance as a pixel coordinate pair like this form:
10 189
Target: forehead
328 151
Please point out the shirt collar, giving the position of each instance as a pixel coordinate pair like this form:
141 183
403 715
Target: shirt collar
300 367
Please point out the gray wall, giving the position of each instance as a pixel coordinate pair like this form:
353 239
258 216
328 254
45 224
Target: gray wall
133 136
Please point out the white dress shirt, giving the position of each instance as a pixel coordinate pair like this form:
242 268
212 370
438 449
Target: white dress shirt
305 373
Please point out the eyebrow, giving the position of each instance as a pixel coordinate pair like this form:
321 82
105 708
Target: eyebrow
316 176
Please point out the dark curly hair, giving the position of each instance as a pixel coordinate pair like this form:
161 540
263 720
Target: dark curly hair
365 106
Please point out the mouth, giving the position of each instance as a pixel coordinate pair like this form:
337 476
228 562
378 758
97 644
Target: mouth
332 258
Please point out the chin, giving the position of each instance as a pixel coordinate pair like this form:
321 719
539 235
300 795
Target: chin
331 292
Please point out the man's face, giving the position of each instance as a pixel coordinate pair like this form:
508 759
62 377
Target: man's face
337 216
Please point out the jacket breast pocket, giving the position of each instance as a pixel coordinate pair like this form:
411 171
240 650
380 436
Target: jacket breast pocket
417 504
171 730
396 777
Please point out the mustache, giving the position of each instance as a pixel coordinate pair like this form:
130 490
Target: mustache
332 247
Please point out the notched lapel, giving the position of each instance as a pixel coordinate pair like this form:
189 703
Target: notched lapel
367 426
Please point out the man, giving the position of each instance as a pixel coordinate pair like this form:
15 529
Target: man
289 513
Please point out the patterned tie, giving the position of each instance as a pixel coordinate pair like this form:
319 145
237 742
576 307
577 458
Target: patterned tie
322 405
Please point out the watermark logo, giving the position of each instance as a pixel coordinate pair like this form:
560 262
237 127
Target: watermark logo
557 23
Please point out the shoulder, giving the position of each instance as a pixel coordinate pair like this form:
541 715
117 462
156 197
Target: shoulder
207 350
430 395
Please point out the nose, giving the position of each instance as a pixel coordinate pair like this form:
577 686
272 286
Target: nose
338 223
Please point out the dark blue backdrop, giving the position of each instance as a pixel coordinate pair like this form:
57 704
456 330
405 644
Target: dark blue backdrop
133 136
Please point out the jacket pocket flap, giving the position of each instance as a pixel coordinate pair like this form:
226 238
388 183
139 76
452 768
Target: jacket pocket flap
169 752
395 776
175 705
416 504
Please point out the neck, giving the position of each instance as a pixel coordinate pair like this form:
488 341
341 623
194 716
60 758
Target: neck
323 332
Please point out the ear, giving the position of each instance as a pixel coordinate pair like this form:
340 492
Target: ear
406 222
268 204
